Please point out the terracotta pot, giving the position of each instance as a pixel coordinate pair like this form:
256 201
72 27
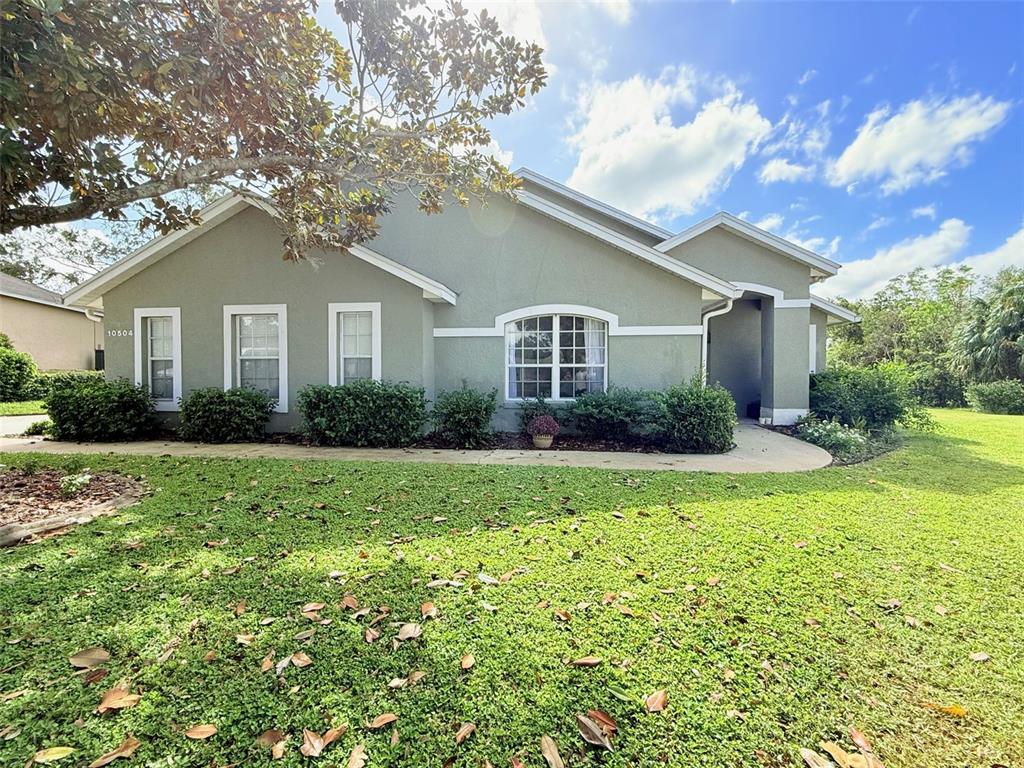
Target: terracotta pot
542 441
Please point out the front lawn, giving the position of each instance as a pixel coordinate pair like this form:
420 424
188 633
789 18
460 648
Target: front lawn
22 408
774 610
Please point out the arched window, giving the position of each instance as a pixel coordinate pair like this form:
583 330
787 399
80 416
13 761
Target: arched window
557 357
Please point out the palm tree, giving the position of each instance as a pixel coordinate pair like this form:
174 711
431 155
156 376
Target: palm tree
990 342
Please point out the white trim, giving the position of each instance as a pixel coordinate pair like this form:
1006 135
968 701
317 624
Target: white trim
542 205
175 314
813 346
432 289
333 310
781 302
281 310
595 205
745 229
44 302
781 417
614 329
842 314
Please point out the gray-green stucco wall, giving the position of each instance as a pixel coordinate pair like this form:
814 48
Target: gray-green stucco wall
820 320
734 352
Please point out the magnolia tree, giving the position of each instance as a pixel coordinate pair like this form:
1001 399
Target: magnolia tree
114 104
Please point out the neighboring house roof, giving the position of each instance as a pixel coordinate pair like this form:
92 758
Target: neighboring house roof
16 288
836 314
215 213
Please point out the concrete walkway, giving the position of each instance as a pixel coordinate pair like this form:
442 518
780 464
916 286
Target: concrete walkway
16 425
757 450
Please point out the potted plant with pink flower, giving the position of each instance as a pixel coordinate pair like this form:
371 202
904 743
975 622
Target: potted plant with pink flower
543 430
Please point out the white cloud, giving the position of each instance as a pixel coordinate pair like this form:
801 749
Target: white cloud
1009 254
807 76
864 277
493 149
796 233
619 11
879 223
634 155
772 222
924 212
778 169
917 144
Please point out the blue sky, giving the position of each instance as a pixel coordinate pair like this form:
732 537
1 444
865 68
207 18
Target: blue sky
885 135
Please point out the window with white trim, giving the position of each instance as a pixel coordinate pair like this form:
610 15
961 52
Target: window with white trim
158 354
256 350
557 357
353 342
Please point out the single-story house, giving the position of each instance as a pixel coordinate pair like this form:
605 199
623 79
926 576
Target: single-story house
553 295
59 337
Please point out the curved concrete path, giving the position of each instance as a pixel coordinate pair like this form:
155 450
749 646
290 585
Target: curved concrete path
757 450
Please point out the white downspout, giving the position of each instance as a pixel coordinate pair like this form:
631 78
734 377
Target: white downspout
705 318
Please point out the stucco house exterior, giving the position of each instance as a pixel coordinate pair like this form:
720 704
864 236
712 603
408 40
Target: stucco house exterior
555 295
59 337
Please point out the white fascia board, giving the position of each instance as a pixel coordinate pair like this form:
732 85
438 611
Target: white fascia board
749 231
644 253
92 289
842 314
432 289
586 200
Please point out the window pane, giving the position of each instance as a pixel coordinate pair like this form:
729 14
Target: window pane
261 375
257 336
357 369
161 379
160 332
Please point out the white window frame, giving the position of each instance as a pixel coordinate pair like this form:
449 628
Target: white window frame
555 348
141 334
281 310
813 347
335 373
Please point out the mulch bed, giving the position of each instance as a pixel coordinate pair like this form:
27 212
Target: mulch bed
27 498
518 442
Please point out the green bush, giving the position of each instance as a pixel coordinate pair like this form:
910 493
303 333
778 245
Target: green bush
531 409
698 418
363 413
100 410
937 387
5 341
622 414
17 370
834 436
45 381
225 416
874 399
1005 397
41 427
463 418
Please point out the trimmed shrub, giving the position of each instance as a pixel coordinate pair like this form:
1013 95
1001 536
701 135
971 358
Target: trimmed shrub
463 418
5 341
543 425
698 418
40 427
363 413
1004 397
45 381
17 369
834 436
874 399
237 415
531 409
101 410
622 414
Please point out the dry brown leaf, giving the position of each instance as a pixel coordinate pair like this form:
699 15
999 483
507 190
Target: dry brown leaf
117 698
562 615
277 751
398 682
312 743
381 720
608 725
299 659
415 677
409 631
467 661
428 610
941 610
313 607
350 602
268 663
94 676
463 733
51 754
814 760
549 749
269 738
592 733
203 731
657 701
837 753
358 757
244 639
88 658
125 749
586 661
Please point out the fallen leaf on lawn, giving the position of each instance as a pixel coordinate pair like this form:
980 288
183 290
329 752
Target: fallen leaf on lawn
409 631
840 755
125 750
517 763
268 663
209 656
277 751
891 604
350 602
358 757
800 544
117 698
203 731
603 719
95 675
814 760
304 635
52 754
586 661
592 733
398 682
714 581
467 661
283 664
562 615
371 635
13 695
951 709
549 749
415 677
980 656
428 610
269 738
381 720
484 578
657 701
735 714
89 658
239 607
299 659
912 622
244 639
941 610
860 740
463 732
728 675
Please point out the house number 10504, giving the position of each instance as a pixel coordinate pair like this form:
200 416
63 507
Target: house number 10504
119 332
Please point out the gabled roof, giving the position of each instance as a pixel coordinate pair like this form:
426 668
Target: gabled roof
16 288
217 212
819 264
836 313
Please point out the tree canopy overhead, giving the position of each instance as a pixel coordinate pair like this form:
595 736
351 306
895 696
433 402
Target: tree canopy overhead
106 104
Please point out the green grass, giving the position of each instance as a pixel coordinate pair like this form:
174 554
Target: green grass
938 522
22 408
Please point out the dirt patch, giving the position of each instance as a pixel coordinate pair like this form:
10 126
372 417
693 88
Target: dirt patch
33 503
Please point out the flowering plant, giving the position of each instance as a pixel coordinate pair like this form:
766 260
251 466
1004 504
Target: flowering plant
543 425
